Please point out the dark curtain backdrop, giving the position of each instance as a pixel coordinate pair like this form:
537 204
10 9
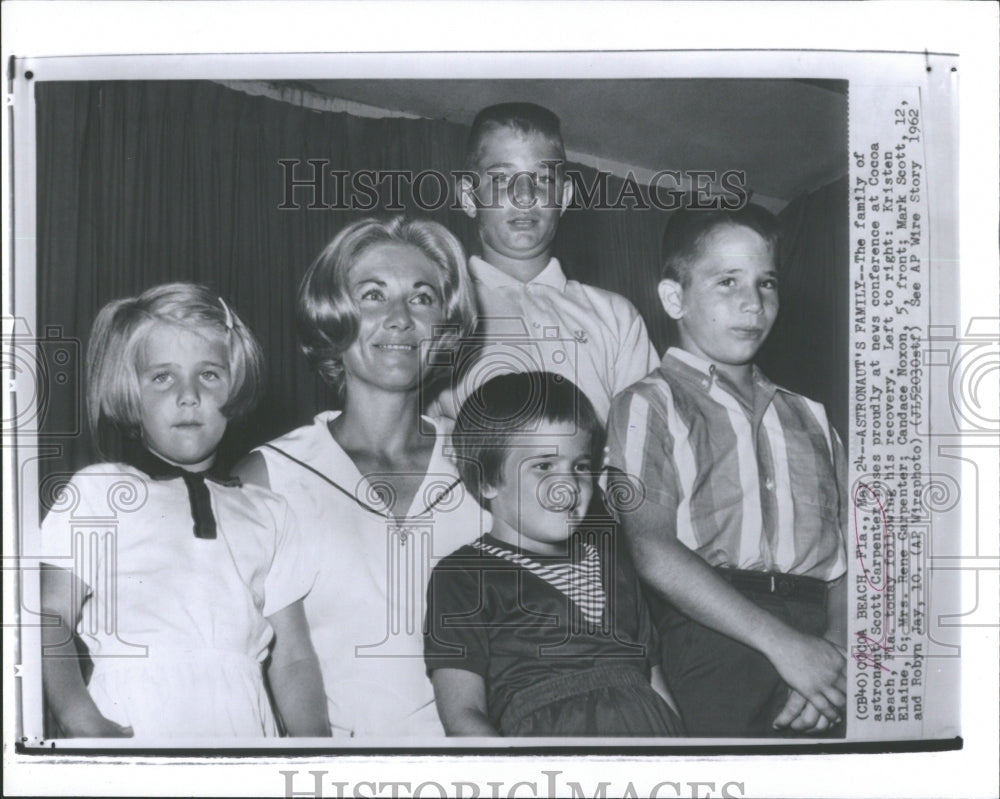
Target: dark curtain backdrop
807 350
141 183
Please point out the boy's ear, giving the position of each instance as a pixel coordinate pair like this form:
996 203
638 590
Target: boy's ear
467 197
671 297
488 491
567 195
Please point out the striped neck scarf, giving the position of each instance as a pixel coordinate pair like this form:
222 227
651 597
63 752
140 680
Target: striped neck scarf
579 578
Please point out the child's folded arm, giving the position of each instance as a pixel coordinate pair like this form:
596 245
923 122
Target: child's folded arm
65 691
810 665
799 714
460 696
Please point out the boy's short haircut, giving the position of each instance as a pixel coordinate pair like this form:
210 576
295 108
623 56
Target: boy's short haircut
524 118
687 229
326 315
515 404
119 333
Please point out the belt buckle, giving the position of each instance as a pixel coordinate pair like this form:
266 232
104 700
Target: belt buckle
782 585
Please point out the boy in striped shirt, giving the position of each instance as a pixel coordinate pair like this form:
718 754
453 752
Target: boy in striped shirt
737 510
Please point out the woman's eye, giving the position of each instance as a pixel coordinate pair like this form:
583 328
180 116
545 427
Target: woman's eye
209 375
727 282
423 299
160 377
583 467
769 283
543 466
373 295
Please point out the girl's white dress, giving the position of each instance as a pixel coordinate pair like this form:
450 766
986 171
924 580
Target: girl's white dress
366 611
175 624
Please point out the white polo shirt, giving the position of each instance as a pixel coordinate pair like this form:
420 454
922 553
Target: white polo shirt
591 336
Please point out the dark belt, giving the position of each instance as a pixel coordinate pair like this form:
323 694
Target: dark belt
787 586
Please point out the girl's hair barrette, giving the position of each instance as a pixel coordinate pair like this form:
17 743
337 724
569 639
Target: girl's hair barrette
229 314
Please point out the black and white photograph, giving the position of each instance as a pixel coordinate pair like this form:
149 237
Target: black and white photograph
373 412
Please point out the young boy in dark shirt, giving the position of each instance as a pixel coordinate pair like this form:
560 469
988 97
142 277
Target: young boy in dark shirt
539 628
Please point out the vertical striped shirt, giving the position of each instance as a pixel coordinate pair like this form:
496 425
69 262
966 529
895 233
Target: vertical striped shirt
759 488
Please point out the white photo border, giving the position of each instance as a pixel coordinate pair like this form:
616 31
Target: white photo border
751 772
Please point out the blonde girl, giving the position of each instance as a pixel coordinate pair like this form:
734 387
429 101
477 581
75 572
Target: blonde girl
179 583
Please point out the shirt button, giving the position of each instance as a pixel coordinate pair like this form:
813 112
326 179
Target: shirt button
769 484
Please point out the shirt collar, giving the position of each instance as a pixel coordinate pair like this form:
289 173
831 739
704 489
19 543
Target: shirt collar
199 499
703 373
574 545
492 278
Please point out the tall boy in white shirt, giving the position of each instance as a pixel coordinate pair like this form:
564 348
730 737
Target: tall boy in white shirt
531 317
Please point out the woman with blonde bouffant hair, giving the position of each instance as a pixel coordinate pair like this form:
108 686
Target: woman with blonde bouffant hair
379 499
